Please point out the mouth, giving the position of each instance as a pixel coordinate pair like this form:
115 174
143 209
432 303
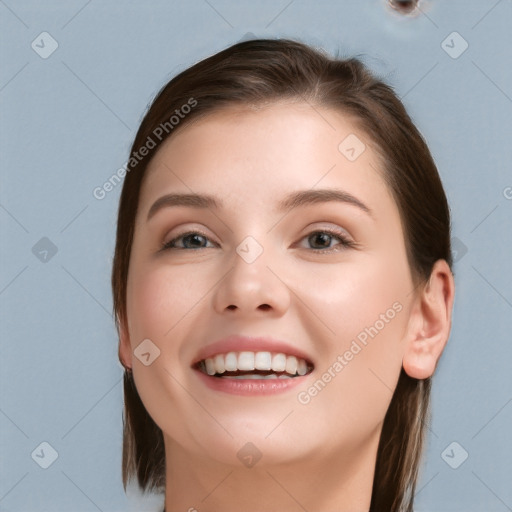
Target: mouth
245 365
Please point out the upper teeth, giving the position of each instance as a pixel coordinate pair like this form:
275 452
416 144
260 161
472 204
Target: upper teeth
247 361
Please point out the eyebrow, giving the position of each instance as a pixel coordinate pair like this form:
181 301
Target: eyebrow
293 200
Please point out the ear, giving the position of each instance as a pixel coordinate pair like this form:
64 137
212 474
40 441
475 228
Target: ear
429 323
125 349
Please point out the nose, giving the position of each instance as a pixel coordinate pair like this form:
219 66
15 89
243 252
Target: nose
254 284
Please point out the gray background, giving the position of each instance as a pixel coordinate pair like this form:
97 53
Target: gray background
67 123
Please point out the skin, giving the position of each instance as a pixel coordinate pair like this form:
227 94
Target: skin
315 456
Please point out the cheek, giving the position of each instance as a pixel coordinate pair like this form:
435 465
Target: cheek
160 308
359 294
364 305
160 300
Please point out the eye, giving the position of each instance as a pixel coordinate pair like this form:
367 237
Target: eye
192 239
323 237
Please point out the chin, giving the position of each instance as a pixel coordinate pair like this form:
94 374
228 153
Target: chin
254 443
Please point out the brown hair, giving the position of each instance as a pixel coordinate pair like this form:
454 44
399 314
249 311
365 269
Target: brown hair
259 72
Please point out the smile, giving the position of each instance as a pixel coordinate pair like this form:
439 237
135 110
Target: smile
254 365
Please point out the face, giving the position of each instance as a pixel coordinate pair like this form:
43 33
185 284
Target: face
321 287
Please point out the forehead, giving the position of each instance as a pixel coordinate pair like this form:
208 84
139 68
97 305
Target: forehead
267 150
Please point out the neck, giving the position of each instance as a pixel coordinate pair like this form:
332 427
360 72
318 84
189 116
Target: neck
336 480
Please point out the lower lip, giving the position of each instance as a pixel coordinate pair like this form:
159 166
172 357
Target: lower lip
251 387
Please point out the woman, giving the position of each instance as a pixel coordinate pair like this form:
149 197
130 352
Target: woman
282 287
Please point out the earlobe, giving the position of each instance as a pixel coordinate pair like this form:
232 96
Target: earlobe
125 350
430 323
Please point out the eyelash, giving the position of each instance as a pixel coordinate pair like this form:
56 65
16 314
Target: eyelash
345 243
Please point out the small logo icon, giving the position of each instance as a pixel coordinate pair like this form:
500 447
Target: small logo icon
44 250
249 455
249 249
454 455
351 147
45 455
459 249
44 45
146 352
454 45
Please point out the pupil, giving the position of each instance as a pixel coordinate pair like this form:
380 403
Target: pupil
323 236
195 238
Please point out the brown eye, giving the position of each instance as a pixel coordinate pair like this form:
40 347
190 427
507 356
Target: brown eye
324 237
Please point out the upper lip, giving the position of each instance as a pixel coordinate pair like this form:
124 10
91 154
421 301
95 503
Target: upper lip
237 343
